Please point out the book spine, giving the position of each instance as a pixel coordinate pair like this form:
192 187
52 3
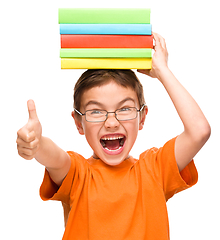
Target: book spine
106 63
122 29
104 15
106 41
105 53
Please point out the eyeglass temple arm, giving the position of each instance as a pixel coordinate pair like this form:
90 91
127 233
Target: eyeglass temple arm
142 107
78 112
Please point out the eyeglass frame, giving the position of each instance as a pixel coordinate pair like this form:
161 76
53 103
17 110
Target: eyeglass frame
84 114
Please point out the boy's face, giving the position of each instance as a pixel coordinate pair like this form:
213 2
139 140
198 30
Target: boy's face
111 140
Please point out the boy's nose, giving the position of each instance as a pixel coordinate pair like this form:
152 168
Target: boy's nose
111 121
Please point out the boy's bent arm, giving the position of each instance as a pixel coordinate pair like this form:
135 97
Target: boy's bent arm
31 144
196 128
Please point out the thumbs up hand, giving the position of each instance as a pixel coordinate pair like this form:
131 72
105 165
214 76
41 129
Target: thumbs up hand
29 136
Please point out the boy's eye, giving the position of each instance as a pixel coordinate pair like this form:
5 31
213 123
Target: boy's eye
95 112
125 110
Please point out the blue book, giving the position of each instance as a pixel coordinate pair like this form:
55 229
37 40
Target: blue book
119 29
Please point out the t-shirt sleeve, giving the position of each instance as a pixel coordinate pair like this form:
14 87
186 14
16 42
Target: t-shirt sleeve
50 191
163 166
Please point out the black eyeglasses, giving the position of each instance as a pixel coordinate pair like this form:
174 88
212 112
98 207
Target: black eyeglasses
122 114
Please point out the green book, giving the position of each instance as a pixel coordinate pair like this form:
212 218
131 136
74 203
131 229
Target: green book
105 53
104 15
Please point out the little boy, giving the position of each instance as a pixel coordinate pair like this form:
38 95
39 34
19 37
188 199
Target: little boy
112 196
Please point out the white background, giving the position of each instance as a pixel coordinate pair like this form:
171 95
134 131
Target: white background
30 68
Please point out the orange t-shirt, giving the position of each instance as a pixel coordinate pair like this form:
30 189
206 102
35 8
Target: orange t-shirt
123 202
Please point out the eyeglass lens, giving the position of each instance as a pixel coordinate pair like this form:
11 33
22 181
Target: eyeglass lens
120 114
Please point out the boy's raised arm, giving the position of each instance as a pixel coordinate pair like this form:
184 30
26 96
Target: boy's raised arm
196 128
31 144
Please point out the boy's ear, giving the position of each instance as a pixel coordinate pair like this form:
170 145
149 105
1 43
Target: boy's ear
78 123
143 117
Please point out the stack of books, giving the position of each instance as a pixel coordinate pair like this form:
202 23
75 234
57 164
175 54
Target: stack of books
101 38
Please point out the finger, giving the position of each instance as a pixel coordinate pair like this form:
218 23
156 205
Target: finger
23 155
163 42
26 135
156 37
29 145
159 40
27 151
144 71
32 110
157 43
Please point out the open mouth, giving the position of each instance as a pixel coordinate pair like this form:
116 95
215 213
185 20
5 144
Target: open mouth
113 143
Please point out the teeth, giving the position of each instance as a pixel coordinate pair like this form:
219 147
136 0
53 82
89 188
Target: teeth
112 138
113 150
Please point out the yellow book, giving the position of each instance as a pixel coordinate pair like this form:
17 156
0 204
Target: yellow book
106 63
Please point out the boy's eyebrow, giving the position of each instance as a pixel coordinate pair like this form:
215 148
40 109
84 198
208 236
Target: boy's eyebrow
125 100
92 102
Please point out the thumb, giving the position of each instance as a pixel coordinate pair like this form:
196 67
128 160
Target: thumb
32 110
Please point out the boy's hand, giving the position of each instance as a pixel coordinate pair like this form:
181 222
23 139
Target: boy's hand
159 59
29 136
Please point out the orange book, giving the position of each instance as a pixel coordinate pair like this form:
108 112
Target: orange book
106 41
